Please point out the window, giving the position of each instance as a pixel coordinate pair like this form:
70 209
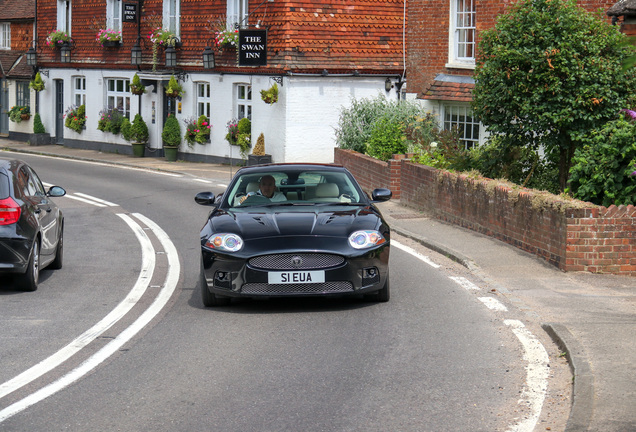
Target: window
203 99
244 101
118 95
64 15
461 117
22 95
114 15
5 36
79 91
462 33
236 13
171 13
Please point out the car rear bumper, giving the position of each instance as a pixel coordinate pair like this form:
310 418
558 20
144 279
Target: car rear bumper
14 254
228 276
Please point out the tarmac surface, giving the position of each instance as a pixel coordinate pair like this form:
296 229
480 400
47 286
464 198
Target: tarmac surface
592 318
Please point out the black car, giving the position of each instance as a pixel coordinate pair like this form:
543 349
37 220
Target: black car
294 230
31 225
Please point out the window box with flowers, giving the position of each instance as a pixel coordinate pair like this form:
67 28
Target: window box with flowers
58 38
197 131
110 120
18 113
109 37
75 118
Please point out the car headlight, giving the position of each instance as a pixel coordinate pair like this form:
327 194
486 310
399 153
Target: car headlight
225 242
366 239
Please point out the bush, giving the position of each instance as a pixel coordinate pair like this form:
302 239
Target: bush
387 139
603 166
38 126
126 129
171 133
139 130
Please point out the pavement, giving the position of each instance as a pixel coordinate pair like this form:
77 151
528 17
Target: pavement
592 318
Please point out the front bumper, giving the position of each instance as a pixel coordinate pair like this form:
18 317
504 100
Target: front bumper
363 273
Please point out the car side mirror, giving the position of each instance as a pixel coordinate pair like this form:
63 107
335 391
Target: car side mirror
56 192
381 194
206 198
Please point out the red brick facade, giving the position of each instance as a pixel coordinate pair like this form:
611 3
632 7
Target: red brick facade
428 37
571 236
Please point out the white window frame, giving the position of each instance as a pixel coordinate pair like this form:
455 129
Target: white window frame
237 10
5 35
462 33
172 16
204 99
64 18
243 93
118 95
114 15
79 90
462 116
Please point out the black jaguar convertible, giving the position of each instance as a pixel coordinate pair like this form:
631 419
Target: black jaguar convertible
294 230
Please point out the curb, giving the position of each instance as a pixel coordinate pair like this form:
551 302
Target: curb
583 380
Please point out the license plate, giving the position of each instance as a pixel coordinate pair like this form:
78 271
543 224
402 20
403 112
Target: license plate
296 277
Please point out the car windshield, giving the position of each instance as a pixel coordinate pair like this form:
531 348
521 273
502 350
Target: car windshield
294 188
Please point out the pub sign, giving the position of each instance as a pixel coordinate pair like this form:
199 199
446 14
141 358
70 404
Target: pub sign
252 48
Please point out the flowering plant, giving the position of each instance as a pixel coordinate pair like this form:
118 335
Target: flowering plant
16 112
58 38
163 37
232 131
197 131
110 120
75 118
226 38
108 35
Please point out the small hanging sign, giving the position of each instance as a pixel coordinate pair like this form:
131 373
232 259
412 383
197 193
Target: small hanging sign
130 12
252 48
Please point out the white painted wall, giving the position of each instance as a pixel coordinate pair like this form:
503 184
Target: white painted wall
298 128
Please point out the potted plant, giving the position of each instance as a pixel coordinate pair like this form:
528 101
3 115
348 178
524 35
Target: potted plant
244 139
139 135
39 136
270 96
137 87
37 84
75 118
57 38
171 136
258 155
18 113
109 37
174 89
110 121
226 38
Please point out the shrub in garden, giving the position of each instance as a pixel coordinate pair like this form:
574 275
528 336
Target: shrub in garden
38 126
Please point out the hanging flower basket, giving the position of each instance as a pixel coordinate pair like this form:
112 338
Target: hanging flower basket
57 39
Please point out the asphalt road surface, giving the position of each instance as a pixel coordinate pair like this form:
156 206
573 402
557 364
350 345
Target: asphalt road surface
119 340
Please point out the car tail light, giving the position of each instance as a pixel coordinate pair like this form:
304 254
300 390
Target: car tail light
9 211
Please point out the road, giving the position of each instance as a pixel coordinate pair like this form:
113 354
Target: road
434 358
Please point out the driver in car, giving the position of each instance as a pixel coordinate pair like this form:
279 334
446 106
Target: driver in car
267 188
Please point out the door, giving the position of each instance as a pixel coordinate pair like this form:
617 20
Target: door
59 111
4 106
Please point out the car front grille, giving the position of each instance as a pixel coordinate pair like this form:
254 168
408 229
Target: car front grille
282 289
301 261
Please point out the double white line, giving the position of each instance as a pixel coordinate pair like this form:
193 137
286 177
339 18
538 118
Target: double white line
148 265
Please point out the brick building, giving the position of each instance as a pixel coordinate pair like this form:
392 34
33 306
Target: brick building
442 42
319 54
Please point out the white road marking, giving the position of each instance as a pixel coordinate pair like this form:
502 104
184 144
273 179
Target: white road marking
170 284
99 200
202 181
493 304
416 254
145 275
465 283
538 371
84 200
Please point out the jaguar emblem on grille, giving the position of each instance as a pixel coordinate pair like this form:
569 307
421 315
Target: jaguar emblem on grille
297 261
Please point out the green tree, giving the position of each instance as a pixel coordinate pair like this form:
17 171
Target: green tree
548 73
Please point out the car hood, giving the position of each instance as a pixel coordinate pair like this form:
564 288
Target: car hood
272 222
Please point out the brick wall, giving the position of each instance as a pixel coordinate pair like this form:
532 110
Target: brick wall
571 235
